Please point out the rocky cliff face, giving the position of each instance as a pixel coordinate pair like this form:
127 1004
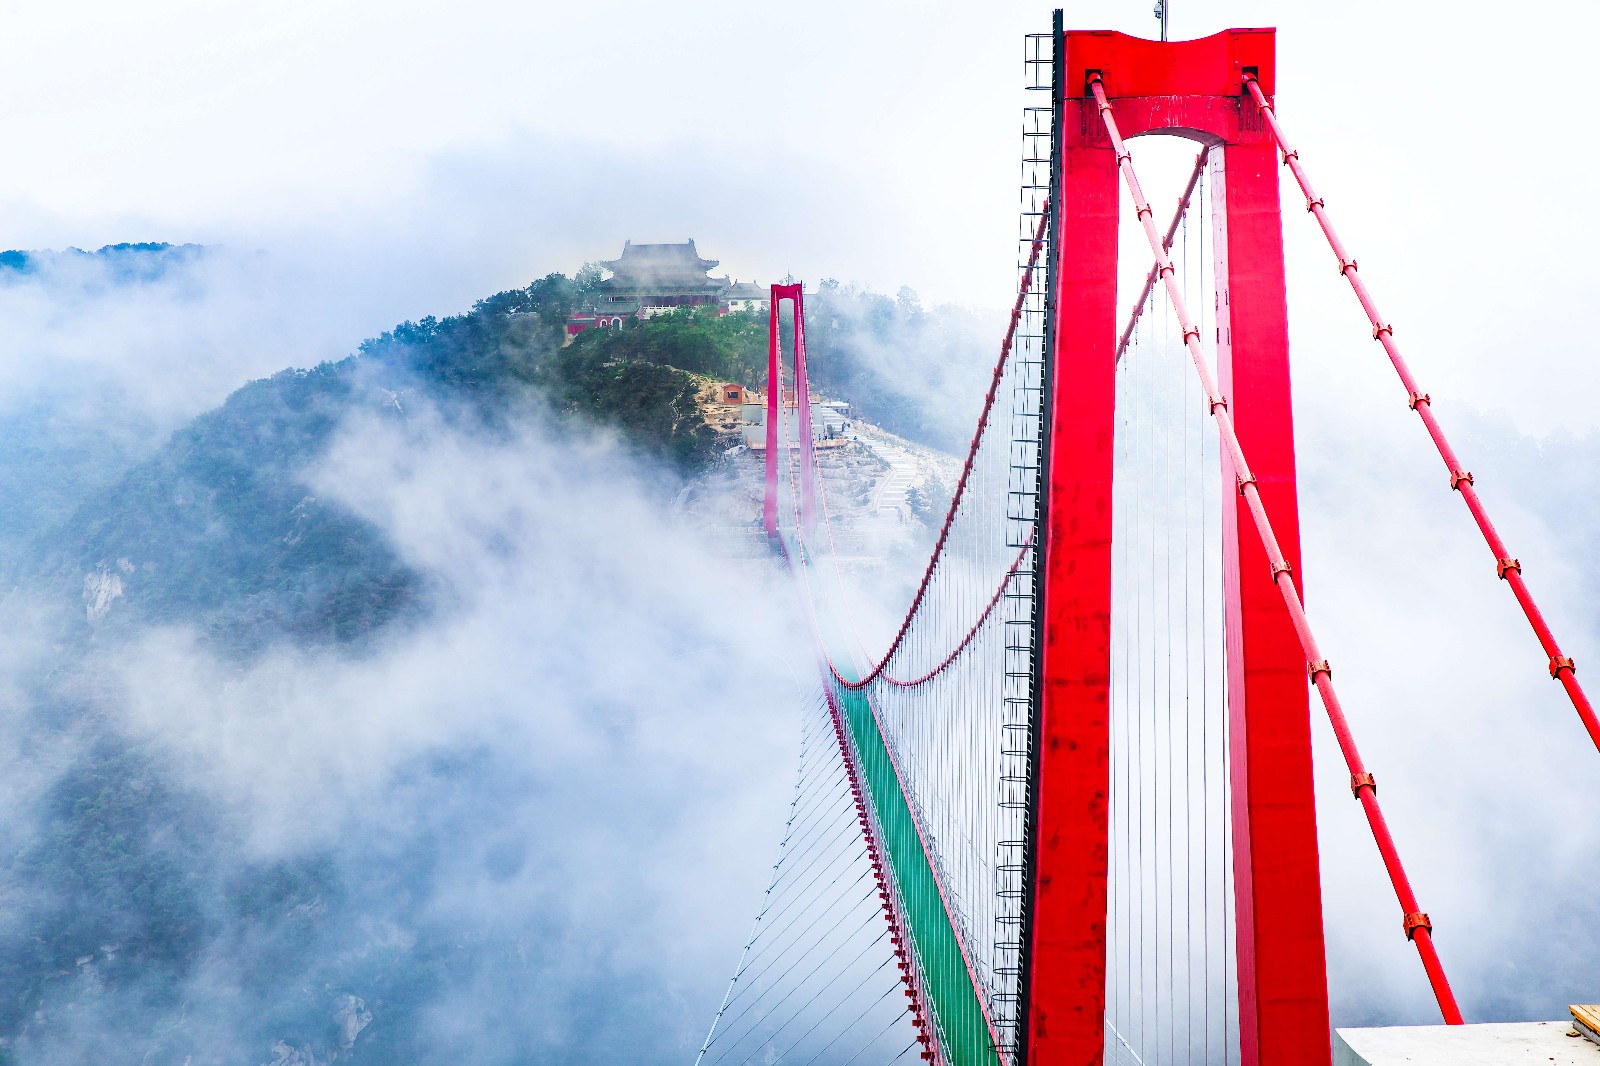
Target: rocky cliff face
884 495
101 588
350 1017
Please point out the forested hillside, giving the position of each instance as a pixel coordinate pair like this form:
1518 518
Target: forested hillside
127 889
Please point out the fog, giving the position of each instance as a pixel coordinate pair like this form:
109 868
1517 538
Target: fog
571 771
569 766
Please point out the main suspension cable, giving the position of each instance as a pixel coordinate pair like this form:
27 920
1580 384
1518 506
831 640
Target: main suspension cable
1418 929
966 467
1509 569
972 632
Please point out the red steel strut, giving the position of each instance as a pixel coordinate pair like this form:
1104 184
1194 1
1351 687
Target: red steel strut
1509 569
1417 927
1166 243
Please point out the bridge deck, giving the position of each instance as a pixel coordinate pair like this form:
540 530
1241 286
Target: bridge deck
1504 1044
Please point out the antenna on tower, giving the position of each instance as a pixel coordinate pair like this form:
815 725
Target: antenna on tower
1161 14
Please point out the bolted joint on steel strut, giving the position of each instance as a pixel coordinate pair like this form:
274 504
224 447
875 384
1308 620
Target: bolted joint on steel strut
1417 920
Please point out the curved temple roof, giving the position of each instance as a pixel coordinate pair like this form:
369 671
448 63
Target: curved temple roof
657 266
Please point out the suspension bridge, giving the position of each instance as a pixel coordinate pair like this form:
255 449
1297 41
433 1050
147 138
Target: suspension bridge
1065 813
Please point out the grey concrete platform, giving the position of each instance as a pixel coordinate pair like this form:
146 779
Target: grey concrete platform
1508 1044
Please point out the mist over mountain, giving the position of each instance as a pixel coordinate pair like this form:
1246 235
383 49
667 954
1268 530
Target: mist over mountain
391 711
119 264
316 707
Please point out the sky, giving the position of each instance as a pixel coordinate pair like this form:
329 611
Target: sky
415 155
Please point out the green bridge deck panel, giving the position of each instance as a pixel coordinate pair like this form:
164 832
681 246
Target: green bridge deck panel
946 981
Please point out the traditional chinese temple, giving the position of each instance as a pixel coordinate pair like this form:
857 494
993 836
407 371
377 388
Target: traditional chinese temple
650 279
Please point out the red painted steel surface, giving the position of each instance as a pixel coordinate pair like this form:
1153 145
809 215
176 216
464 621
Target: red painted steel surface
802 395
1238 748
807 504
1191 89
1416 924
1066 955
1188 70
769 509
1283 987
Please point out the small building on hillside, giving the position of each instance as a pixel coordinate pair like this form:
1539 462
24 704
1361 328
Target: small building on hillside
579 321
652 279
731 392
830 415
746 296
830 421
